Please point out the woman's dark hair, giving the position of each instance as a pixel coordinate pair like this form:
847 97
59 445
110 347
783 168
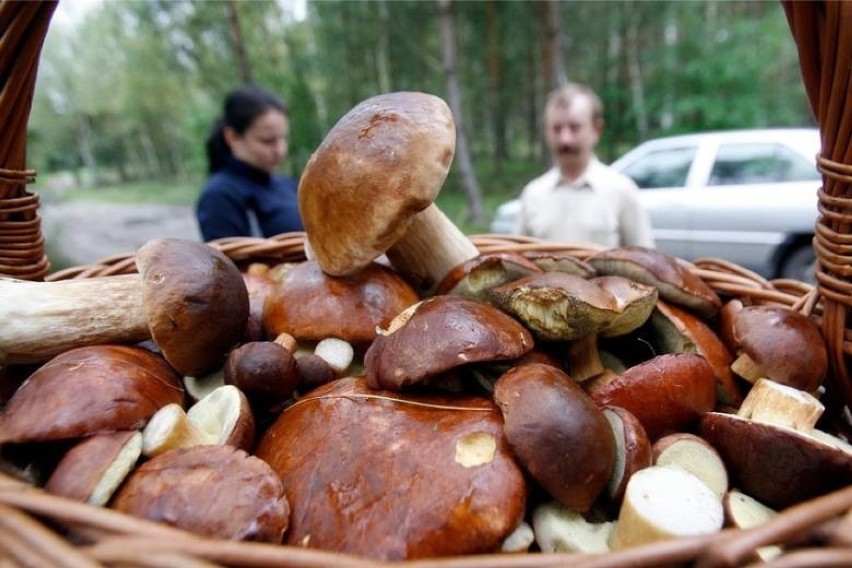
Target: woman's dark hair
242 106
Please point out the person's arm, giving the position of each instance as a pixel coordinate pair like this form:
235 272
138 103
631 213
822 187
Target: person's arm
221 214
634 221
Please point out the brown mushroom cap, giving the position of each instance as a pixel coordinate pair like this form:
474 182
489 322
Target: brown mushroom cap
786 346
777 466
196 302
560 436
555 261
557 306
92 470
87 391
310 305
654 268
439 334
634 302
417 477
666 393
383 162
215 491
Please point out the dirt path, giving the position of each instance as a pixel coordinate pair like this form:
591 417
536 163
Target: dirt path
84 233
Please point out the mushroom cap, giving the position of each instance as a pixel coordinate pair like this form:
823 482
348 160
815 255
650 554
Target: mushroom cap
778 466
635 303
557 306
787 346
310 305
87 391
439 334
655 268
556 261
196 302
473 278
384 161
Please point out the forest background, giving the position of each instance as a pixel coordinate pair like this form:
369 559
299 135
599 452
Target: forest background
126 97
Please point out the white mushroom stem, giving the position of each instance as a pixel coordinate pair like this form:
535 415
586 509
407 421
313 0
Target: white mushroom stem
782 405
430 248
39 320
171 428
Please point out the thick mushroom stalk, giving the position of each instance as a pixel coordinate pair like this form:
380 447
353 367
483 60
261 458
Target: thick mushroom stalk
370 188
188 297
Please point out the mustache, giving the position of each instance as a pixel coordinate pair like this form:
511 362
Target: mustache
566 150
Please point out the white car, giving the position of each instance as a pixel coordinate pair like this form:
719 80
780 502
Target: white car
748 196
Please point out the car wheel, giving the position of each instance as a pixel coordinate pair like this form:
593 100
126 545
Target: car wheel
800 264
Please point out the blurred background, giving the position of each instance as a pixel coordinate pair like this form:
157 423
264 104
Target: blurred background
127 90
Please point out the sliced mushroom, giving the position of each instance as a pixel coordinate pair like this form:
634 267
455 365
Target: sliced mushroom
561 529
87 391
439 334
632 450
695 455
655 268
370 186
188 296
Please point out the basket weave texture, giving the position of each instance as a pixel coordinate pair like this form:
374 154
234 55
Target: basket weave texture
38 529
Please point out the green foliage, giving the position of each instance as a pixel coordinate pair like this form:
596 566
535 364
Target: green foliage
131 93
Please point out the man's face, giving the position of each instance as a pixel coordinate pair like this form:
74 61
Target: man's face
571 133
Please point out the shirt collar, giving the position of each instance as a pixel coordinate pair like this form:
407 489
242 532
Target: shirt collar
585 180
247 170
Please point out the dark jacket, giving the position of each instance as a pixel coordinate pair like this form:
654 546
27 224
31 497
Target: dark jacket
229 194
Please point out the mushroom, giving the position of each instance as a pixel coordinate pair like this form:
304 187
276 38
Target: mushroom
475 277
419 476
87 391
188 296
666 393
439 334
265 372
561 529
663 502
676 330
559 435
654 268
369 189
779 344
744 512
216 491
632 450
221 417
310 305
92 470
695 455
555 261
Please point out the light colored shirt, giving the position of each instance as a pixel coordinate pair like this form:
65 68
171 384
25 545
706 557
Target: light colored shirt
601 206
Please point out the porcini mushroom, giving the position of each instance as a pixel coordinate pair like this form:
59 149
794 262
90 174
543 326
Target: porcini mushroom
189 297
369 188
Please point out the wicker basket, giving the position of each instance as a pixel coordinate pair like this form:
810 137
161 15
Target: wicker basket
38 529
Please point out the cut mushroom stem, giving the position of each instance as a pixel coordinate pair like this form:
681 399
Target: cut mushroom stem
774 403
745 367
44 319
171 428
338 353
585 358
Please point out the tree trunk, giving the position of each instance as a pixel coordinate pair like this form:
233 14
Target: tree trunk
383 49
476 212
495 84
237 43
555 42
634 69
83 131
150 152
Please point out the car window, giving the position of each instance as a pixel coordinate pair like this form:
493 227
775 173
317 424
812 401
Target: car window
759 163
662 168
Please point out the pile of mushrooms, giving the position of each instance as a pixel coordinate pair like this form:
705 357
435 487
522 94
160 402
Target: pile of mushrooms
401 396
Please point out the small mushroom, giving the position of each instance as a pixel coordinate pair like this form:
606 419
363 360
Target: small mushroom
265 372
310 305
655 268
369 189
439 334
92 470
780 344
188 296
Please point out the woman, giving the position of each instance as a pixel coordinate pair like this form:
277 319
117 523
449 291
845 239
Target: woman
244 151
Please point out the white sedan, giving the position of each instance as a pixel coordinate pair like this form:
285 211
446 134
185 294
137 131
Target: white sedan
748 196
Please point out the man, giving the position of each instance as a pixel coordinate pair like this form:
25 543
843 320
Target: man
580 199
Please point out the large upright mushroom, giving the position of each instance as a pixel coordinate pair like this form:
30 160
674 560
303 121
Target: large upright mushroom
189 297
370 186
